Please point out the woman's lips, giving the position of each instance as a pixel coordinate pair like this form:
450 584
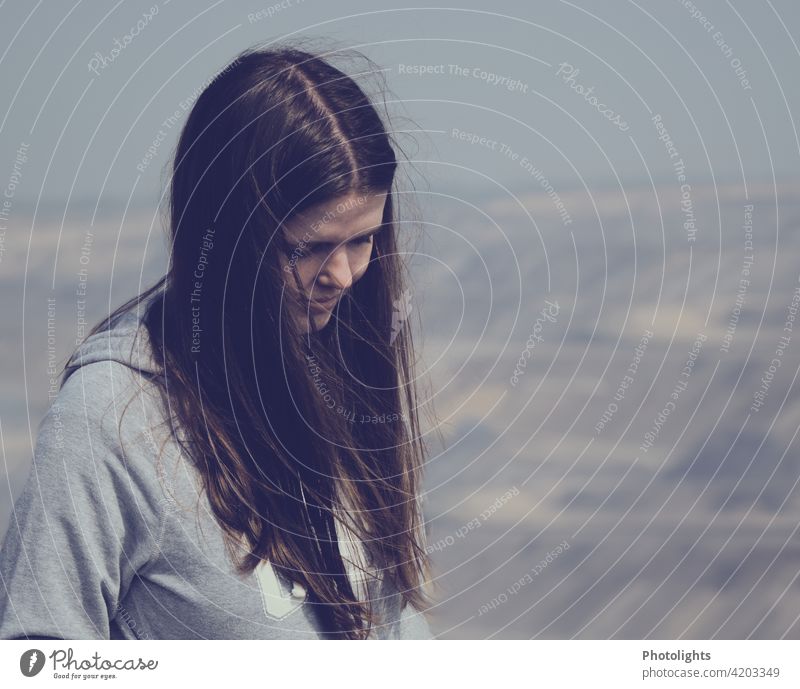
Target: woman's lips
326 304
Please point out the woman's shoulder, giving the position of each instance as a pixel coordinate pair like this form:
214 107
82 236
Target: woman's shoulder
111 408
108 403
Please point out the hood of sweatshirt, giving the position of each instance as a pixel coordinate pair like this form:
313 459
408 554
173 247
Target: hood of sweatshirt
126 342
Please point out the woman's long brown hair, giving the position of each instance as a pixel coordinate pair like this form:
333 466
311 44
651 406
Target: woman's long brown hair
276 132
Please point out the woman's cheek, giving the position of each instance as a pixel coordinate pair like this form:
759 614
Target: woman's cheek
363 267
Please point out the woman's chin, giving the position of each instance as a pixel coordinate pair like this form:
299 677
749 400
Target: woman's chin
320 321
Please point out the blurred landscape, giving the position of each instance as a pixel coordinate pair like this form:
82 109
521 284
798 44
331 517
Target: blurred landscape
545 520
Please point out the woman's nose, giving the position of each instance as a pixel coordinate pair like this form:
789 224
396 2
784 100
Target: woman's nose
336 272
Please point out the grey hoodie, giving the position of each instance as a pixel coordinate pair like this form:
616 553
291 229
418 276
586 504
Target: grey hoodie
106 542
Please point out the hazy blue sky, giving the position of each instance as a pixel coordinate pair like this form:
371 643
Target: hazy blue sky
87 130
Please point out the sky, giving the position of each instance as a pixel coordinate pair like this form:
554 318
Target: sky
484 97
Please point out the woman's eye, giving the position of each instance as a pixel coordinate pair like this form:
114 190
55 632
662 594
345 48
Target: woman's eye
304 251
323 249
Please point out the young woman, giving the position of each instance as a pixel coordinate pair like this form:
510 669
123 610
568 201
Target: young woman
236 452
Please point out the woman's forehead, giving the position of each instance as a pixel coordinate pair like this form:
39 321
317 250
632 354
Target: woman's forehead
337 220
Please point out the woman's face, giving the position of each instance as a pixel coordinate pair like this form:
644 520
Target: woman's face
329 248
